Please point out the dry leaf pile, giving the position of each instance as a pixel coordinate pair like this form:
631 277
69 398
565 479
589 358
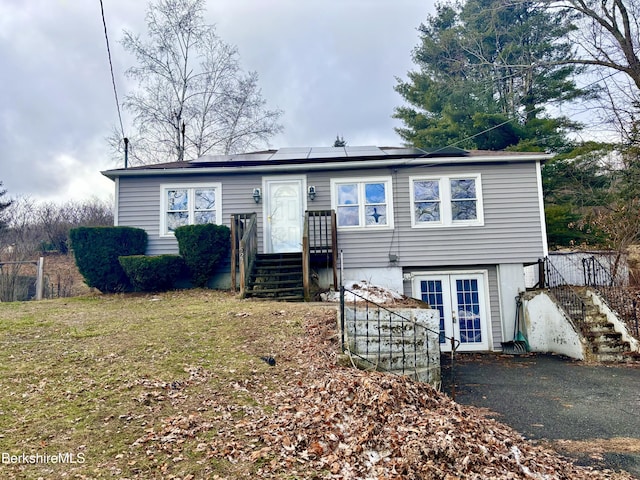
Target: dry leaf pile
334 422
360 425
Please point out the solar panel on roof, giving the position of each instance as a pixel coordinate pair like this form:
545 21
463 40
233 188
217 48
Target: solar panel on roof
291 153
363 151
361 147
402 151
210 158
327 149
327 152
234 157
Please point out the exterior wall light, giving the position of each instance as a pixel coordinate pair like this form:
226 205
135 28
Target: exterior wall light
311 192
257 195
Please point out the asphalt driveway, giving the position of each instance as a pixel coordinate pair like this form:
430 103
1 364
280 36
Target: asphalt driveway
590 413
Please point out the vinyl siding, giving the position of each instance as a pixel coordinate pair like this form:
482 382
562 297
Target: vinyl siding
362 248
512 232
139 203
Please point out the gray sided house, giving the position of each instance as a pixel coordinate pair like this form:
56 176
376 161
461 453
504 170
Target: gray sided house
453 228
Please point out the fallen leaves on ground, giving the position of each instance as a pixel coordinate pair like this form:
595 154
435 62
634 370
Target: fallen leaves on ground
336 422
353 424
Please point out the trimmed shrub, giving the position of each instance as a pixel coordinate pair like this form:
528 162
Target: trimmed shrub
203 248
96 250
152 274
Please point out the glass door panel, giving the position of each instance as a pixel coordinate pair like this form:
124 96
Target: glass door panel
460 300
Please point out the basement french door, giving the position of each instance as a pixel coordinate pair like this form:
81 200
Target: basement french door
461 300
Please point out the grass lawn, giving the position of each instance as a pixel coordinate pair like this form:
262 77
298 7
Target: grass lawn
173 386
103 380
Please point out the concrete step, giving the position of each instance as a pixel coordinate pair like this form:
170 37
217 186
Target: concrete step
597 320
603 336
603 327
395 362
604 342
611 346
388 329
611 357
386 345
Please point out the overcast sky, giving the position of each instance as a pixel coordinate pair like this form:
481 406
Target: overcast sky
330 65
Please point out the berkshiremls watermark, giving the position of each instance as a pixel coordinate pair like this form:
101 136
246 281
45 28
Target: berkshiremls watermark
34 458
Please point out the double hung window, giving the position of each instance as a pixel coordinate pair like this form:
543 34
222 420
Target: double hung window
363 203
446 201
189 204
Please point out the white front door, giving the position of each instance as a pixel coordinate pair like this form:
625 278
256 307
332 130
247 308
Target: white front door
460 299
284 214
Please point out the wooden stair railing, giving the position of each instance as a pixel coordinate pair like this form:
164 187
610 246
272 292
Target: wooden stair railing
319 245
244 248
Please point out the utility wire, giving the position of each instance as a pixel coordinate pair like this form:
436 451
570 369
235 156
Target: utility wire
113 79
471 137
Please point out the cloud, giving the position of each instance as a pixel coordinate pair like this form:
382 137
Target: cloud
330 65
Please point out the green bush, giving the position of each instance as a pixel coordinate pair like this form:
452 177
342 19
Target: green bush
152 274
96 250
203 247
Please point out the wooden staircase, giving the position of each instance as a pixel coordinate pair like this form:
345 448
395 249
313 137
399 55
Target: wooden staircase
277 276
282 276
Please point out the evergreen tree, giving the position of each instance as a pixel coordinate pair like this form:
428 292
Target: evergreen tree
486 71
339 142
578 186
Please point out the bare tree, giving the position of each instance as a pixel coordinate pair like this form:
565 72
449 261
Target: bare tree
192 96
606 38
53 221
608 34
19 239
34 227
3 206
18 243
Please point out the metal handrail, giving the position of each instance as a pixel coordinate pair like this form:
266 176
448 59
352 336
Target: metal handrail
374 314
567 298
616 296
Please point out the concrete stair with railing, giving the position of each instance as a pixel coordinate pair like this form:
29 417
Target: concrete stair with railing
388 342
605 343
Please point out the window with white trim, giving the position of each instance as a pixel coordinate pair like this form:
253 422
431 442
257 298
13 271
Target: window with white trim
189 204
446 201
363 203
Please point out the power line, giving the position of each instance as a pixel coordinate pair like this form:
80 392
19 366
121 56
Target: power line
471 137
113 79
